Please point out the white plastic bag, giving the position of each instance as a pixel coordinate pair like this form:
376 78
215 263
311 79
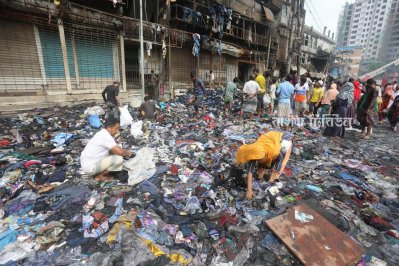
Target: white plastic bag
136 129
267 99
141 167
126 118
94 110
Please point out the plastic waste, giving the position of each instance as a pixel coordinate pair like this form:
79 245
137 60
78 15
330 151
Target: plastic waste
136 129
94 121
125 118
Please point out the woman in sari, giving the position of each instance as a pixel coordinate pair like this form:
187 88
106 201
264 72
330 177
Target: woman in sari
340 106
387 96
270 151
393 114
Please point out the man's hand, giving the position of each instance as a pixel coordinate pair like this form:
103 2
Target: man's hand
249 195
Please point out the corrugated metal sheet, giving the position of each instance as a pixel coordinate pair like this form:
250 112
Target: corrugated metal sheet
19 60
183 62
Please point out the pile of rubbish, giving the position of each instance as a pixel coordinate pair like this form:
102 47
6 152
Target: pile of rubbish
182 201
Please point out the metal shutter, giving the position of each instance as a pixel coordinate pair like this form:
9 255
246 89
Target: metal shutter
183 62
19 60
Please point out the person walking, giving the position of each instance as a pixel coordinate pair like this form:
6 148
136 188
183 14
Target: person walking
301 97
328 97
211 80
387 96
339 111
285 92
260 79
231 87
365 108
315 98
199 92
251 90
272 93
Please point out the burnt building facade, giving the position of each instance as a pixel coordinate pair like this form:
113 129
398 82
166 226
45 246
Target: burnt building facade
62 51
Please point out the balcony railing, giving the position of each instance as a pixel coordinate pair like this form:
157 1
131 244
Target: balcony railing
233 32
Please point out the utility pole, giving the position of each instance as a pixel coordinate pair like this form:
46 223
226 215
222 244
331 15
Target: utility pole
290 37
142 51
301 20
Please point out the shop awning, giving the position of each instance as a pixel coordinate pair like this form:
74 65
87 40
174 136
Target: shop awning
226 48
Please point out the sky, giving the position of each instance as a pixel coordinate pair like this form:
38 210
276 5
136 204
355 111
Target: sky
326 13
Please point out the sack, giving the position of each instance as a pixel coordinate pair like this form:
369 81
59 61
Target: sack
125 118
94 121
136 129
141 167
267 99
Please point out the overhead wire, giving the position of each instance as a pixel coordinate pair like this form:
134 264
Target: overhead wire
316 13
317 23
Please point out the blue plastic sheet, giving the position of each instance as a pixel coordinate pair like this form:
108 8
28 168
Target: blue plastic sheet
61 139
94 121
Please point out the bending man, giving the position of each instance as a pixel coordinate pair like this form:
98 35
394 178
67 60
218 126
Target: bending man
102 154
270 151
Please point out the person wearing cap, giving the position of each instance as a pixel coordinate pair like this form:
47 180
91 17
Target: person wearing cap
271 151
316 97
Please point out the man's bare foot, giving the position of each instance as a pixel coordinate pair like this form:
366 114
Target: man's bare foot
367 136
103 177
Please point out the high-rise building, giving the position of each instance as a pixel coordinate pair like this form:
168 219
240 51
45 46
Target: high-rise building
390 42
364 23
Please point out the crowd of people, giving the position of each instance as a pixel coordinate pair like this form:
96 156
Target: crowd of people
340 105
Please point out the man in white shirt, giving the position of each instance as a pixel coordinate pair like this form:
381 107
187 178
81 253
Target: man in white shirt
250 90
102 154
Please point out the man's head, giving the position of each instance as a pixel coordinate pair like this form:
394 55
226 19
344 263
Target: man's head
193 75
256 71
117 83
371 83
112 124
303 80
294 72
152 72
351 80
320 83
251 77
274 80
147 98
236 80
266 74
210 72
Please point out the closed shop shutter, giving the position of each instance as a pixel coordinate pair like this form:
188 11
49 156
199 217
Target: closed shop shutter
19 60
183 62
97 55
52 57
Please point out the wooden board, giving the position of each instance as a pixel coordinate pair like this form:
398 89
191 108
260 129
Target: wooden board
316 242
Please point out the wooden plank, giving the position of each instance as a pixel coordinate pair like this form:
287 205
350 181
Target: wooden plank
316 242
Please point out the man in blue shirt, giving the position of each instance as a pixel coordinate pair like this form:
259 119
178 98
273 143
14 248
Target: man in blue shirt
285 91
199 92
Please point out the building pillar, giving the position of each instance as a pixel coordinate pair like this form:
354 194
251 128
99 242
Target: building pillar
75 60
64 55
40 55
123 65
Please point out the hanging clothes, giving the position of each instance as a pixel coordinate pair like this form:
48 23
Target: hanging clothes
196 46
